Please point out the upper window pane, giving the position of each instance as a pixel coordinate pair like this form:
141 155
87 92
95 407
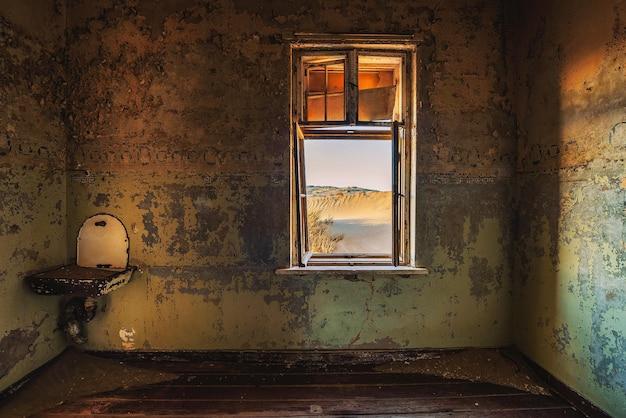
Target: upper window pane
379 88
324 88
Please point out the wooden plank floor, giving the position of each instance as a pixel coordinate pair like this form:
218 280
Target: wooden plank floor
228 388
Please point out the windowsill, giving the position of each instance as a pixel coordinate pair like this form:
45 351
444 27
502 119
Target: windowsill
351 270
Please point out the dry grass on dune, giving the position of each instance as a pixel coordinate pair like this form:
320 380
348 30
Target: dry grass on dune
321 240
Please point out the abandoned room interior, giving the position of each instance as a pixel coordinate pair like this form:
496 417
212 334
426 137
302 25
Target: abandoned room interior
316 208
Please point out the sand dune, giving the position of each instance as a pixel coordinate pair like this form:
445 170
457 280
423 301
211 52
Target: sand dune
367 206
362 217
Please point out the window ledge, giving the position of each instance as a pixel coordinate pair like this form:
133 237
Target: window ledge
351 270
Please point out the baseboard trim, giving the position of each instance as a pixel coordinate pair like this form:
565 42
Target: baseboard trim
331 357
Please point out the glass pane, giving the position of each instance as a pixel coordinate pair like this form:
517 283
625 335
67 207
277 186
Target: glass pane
336 107
324 90
379 88
349 196
315 108
316 80
335 78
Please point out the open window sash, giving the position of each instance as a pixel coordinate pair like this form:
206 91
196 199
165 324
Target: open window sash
304 254
399 250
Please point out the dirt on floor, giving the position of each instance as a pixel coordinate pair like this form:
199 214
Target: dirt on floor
72 375
500 367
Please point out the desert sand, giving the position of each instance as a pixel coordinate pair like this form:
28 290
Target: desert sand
361 216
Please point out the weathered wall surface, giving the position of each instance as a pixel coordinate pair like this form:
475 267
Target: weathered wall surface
570 288
32 180
179 112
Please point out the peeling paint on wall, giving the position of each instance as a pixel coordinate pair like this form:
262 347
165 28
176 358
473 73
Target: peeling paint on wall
485 279
570 297
32 179
177 123
177 119
179 111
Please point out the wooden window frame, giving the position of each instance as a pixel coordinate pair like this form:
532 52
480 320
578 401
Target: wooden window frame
402 134
308 66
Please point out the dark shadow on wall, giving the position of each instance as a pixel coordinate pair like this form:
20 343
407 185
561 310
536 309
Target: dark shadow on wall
535 84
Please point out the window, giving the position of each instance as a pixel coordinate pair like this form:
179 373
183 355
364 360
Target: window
353 104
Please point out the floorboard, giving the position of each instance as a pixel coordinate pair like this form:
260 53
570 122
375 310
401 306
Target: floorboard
204 389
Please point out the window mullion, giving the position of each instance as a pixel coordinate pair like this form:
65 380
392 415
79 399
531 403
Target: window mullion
326 92
352 89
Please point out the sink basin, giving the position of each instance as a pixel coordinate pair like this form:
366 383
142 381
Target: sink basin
79 281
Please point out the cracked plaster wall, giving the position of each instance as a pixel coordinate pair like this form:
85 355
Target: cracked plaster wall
32 180
179 110
570 256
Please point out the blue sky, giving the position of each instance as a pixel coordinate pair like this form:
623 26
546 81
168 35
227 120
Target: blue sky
343 163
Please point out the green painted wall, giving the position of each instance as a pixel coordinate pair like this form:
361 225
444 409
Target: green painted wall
570 258
32 180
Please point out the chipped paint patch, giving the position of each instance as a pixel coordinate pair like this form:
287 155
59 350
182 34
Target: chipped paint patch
127 336
485 279
15 346
562 338
101 199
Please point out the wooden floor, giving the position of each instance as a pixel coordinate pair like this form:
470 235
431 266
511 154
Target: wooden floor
274 390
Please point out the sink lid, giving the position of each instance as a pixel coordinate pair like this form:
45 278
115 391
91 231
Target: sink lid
102 243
